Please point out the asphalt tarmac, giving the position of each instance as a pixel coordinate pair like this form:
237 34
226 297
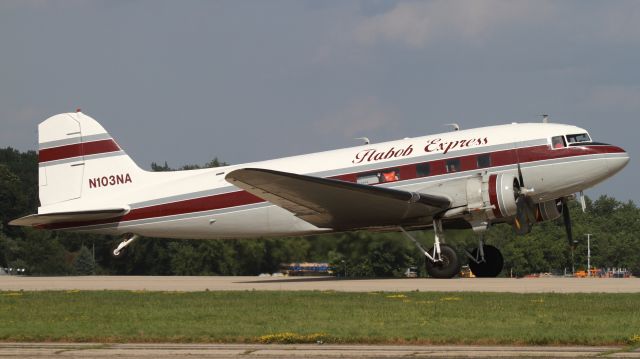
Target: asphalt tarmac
88 350
193 284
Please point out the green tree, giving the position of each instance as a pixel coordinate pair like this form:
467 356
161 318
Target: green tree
43 253
84 263
12 199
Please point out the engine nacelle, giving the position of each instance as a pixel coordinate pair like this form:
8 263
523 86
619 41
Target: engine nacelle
503 189
549 210
490 197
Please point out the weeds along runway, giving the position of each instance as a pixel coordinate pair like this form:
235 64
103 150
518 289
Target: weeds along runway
202 283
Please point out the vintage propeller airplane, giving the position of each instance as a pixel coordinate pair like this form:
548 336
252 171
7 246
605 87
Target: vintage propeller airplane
516 173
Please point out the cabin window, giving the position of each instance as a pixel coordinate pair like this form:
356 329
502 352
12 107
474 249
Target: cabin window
423 169
453 165
581 137
484 161
388 175
558 142
369 178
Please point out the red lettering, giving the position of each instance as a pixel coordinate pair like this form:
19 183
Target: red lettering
111 180
371 154
359 157
451 145
389 154
436 144
432 143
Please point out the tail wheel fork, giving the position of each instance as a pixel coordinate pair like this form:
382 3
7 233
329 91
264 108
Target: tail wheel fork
127 239
442 260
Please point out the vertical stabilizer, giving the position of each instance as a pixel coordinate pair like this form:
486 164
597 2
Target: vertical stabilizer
75 154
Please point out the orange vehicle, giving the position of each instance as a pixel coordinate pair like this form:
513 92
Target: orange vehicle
595 272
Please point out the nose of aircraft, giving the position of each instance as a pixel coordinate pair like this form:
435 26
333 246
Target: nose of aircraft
618 161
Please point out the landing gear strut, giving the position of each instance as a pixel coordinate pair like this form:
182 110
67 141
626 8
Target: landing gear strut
127 239
442 260
485 261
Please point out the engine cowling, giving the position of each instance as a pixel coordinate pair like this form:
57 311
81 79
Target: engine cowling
495 196
503 189
549 210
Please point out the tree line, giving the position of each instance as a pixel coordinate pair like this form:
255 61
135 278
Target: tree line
614 226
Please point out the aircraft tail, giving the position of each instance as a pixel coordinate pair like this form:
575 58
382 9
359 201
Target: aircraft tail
76 155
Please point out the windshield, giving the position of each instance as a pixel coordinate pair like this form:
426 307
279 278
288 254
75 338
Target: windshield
577 138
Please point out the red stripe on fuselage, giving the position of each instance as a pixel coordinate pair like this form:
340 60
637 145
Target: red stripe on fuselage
407 172
209 203
77 150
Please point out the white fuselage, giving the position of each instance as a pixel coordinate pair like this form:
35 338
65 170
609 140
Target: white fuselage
202 204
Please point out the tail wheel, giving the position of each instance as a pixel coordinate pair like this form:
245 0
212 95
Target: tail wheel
491 267
117 253
448 267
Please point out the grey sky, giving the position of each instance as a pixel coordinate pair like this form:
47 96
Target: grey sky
185 81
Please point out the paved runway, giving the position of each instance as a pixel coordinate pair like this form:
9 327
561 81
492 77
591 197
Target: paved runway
39 350
190 284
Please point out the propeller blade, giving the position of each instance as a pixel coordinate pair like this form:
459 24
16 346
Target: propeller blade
567 221
520 178
522 221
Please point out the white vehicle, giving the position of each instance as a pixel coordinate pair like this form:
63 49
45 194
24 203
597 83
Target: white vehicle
516 173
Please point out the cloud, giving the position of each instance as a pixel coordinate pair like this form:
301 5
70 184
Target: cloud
416 24
615 97
360 117
19 128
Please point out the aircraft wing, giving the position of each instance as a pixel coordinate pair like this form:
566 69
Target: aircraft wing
35 220
329 203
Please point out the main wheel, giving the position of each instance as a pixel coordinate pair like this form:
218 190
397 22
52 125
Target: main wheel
491 267
448 267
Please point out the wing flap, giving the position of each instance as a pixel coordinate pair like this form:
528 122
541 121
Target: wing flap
329 203
35 220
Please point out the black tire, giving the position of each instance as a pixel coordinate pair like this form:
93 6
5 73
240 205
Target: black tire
491 267
448 268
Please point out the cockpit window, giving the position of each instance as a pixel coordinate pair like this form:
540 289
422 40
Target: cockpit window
558 142
581 137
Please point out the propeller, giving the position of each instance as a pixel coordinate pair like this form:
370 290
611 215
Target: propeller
525 212
526 216
566 216
520 178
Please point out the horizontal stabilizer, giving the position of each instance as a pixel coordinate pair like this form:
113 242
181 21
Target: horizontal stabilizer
330 203
35 220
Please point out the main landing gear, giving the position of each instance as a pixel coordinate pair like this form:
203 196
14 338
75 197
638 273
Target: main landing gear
127 239
485 261
442 260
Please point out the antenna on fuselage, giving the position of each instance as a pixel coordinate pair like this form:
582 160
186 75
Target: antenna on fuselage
365 139
545 118
455 126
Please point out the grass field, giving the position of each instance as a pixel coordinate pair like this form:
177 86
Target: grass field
296 317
